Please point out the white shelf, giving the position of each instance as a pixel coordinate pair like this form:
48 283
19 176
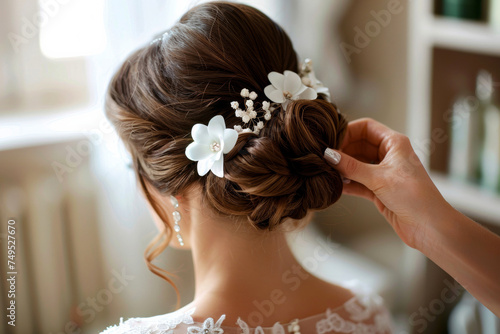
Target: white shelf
27 130
469 199
463 35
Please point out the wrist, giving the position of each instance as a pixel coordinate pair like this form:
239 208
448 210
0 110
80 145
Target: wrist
436 229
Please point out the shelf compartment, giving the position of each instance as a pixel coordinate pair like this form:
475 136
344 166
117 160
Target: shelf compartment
469 199
463 35
453 75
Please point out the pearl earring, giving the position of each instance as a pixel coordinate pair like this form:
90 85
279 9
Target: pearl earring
177 218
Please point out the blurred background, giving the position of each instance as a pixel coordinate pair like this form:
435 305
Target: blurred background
427 68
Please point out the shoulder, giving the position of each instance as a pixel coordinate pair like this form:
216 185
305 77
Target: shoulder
365 312
158 324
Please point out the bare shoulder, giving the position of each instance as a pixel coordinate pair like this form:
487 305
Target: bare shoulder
328 295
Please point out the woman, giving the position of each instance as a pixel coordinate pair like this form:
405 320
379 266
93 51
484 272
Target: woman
229 191
227 141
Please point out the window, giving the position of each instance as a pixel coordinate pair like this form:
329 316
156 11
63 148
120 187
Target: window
71 28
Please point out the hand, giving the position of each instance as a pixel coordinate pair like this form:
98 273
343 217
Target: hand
383 168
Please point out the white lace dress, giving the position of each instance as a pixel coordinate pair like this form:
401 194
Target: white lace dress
362 314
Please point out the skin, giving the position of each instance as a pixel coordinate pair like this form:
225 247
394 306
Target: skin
237 266
384 169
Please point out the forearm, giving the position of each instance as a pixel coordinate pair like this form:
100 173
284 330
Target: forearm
468 252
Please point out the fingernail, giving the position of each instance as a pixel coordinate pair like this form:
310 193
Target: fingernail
332 155
346 180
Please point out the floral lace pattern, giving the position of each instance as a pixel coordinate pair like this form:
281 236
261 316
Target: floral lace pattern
364 313
245 329
162 324
334 323
208 327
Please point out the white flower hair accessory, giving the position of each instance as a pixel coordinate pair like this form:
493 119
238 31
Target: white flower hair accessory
213 141
210 144
288 87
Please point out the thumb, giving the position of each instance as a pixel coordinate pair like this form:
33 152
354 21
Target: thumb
350 167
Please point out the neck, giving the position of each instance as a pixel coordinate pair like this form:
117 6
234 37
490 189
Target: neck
237 263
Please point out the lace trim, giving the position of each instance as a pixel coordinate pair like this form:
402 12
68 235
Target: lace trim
360 308
162 324
369 303
245 329
208 327
334 322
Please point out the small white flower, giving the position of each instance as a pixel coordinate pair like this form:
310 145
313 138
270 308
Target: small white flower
256 131
238 128
249 103
235 105
267 116
260 125
288 87
246 118
266 105
246 130
210 143
252 113
253 95
309 79
244 92
239 112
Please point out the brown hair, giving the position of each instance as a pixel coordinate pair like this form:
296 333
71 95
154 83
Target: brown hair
191 74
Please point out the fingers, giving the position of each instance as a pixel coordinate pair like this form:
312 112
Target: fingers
370 141
363 151
359 190
349 167
366 129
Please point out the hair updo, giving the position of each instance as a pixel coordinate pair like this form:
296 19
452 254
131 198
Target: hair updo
192 73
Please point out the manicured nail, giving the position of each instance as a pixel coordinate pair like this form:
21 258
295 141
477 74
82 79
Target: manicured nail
332 155
346 180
